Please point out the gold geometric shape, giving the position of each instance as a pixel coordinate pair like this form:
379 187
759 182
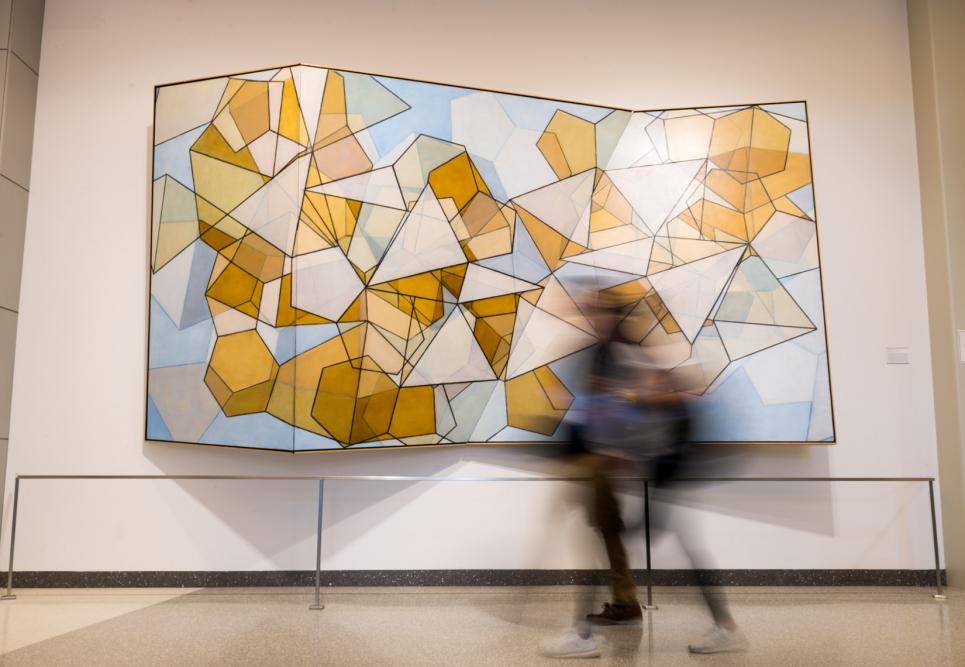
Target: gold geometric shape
795 174
458 180
719 223
333 116
549 242
290 125
223 233
494 335
569 144
249 110
750 141
297 384
241 373
353 404
537 401
414 413
334 405
453 277
259 258
238 289
485 228
737 190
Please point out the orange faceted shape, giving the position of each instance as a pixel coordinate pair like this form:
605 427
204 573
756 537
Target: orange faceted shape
241 373
750 141
569 144
458 180
537 401
414 413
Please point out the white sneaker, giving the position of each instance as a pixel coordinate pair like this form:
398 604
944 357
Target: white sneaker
720 640
571 644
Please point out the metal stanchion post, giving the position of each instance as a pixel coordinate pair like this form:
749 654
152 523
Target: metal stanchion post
13 541
646 535
317 604
939 590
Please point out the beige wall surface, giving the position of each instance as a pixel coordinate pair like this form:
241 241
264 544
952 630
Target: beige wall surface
78 401
937 29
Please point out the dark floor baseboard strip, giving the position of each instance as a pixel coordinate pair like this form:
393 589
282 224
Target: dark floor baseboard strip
215 579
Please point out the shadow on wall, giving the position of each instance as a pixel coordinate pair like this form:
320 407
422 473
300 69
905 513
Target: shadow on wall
252 509
798 505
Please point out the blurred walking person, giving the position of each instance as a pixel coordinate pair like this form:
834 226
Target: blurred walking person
604 437
681 459
631 416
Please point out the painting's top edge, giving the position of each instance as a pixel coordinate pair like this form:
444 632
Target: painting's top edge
477 88
272 450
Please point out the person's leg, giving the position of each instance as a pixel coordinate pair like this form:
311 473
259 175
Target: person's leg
701 561
724 636
607 517
716 602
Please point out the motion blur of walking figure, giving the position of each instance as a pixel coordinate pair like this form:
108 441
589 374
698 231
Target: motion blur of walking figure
680 460
632 419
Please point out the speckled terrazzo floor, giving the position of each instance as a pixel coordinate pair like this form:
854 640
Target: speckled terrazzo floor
467 626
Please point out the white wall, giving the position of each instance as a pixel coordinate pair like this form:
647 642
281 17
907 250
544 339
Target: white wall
78 404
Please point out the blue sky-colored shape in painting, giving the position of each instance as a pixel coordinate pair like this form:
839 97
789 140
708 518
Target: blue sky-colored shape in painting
173 158
306 440
195 304
374 445
430 112
535 114
287 342
170 346
573 369
527 261
156 428
734 412
257 430
822 422
309 336
513 434
279 340
803 198
795 110
488 171
806 289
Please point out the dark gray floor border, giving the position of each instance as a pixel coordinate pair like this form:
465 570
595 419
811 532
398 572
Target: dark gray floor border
214 579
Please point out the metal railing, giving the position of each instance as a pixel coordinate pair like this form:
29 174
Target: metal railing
317 602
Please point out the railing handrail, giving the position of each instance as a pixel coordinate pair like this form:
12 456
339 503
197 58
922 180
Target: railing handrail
472 478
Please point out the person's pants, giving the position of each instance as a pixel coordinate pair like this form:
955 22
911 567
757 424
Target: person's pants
665 519
606 516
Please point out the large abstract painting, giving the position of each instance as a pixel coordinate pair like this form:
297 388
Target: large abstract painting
342 259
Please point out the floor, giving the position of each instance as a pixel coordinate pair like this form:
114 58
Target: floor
466 626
